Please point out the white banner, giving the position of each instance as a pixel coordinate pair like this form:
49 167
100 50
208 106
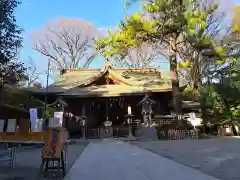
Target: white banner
59 115
194 121
38 125
2 122
33 117
11 126
192 116
54 122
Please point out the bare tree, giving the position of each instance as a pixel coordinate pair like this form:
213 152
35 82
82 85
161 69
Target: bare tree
67 42
32 73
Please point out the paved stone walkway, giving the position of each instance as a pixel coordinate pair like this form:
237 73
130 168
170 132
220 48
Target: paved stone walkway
109 159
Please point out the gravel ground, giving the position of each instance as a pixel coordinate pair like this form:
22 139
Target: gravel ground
28 163
218 157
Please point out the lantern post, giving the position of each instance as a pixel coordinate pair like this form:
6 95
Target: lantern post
129 118
147 111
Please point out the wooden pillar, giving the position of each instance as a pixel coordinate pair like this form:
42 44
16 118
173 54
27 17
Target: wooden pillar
107 110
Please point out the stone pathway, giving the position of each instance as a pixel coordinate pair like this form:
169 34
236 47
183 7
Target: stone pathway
110 159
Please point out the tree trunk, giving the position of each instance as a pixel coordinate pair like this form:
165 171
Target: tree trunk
177 102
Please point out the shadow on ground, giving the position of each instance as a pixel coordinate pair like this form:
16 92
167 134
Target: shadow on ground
28 163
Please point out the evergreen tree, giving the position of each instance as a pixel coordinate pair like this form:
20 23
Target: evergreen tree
11 71
174 24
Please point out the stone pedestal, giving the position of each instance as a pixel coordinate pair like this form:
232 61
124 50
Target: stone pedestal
83 130
148 134
106 132
131 138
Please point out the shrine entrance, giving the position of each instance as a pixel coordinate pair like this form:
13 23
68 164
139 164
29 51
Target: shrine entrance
106 109
112 109
115 110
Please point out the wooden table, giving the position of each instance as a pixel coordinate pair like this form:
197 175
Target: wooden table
15 143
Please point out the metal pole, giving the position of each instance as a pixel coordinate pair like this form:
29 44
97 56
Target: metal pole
46 98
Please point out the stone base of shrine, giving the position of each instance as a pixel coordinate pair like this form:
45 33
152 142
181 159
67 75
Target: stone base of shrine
147 134
106 132
131 138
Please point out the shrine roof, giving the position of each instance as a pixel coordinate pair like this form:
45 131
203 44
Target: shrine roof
111 90
81 81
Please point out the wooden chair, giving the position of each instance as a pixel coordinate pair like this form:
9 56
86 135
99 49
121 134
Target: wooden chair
53 153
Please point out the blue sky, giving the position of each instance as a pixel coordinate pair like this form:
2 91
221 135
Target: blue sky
33 14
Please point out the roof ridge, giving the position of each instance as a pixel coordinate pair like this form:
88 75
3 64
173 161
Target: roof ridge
113 68
81 69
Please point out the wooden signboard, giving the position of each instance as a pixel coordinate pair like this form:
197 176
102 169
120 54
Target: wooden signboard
55 143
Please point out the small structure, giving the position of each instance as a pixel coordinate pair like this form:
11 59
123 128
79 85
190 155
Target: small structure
228 128
59 104
15 102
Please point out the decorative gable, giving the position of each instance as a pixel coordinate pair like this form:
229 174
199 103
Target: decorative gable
103 80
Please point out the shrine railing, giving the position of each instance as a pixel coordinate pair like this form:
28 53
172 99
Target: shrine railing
120 131
173 134
93 133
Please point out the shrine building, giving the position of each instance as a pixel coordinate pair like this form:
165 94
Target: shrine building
106 94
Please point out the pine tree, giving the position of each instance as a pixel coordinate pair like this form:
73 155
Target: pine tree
174 24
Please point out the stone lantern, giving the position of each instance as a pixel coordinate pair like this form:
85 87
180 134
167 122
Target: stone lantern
147 111
129 118
83 120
